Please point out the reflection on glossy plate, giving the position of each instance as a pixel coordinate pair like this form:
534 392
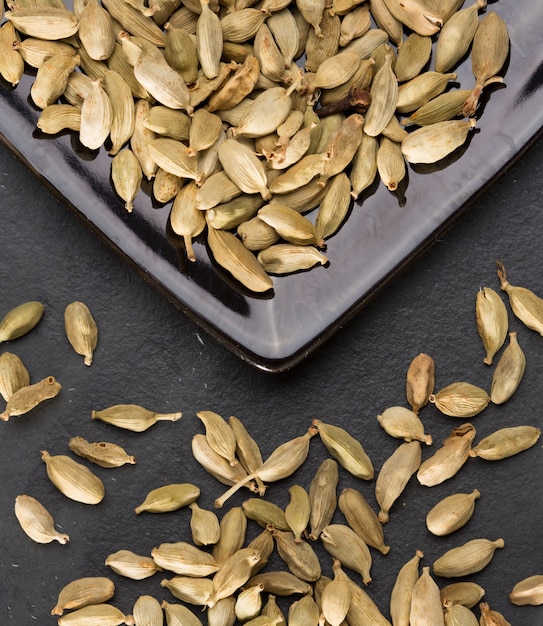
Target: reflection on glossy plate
383 232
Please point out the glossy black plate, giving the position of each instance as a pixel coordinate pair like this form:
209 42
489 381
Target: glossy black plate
383 232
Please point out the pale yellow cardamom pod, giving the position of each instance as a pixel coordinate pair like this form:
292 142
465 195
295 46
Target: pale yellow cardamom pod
451 513
384 95
219 435
166 186
303 611
341 542
426 609
96 117
419 381
415 15
290 225
525 304
184 559
247 450
179 614
147 611
232 534
11 60
26 398
390 163
123 109
13 375
362 519
209 40
127 563
439 109
96 30
434 142
363 609
323 498
460 400
169 498
413 54
222 612
20 320
490 617
402 592
400 422
271 609
509 372
204 526
354 24
466 559
233 574
72 479
96 614
81 330
506 442
336 596
528 591
299 556
464 592
492 322
265 513
264 545
459 615
83 592
249 603
189 589
126 175
419 90
280 583
44 22
132 417
102 453
35 51
57 117
36 521
298 511
284 258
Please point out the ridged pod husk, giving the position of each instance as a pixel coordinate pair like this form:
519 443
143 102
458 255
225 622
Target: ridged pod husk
172 156
11 61
147 611
134 21
528 591
96 30
413 54
345 449
280 583
492 321
336 596
448 459
459 615
400 422
460 400
439 109
170 123
237 87
290 225
387 22
81 329
271 609
506 442
126 175
419 90
44 22
132 417
299 556
354 24
394 476
190 589
466 559
169 498
20 320
119 63
490 617
363 609
244 168
298 511
204 525
268 111
72 479
13 375
451 513
35 51
205 129
233 574
281 463
303 611
509 372
264 545
241 25
36 521
464 592
415 15
434 142
344 544
219 435
184 559
323 498
420 381
334 207
141 139
232 534
58 117
163 83
96 117
284 29
247 450
426 609
249 603
525 304
265 513
362 519
97 615
402 592
384 95
364 165
127 563
216 190
26 398
83 592
312 10
342 145
390 163
209 40
101 453
222 613
179 615
180 52
256 234
123 108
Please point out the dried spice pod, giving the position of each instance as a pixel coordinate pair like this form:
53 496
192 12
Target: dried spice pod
26 398
434 142
394 476
103 614
460 400
247 450
132 417
147 611
490 617
439 109
233 574
123 109
141 139
222 613
11 60
180 52
415 15
179 615
96 117
189 589
169 498
299 556
58 117
419 381
298 511
219 435
459 615
363 609
237 87
384 96
204 526
249 603
341 542
451 513
323 498
72 479
127 563
466 559
20 320
290 225
264 545
345 449
463 592
492 321
209 40
400 422
509 372
36 521
134 21
83 592
280 583
81 329
525 304
448 459
285 258
402 592
426 609
102 453
271 609
13 375
413 55
528 591
419 90
184 559
51 78
364 165
334 207
362 519
96 30
265 513
44 22
390 163
506 442
126 175
336 596
232 534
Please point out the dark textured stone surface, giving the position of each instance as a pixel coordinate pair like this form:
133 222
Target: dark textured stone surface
151 354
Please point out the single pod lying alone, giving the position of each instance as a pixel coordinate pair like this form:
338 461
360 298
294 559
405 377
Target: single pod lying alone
132 417
460 399
82 592
525 304
508 372
131 565
26 398
528 591
451 513
20 320
81 330
434 142
506 442
492 321
419 382
466 559
74 480
97 615
36 521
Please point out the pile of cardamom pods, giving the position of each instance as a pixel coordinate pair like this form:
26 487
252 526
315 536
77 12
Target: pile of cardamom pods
220 570
209 100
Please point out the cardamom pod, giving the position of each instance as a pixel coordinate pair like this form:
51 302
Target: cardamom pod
36 521
81 330
303 611
72 479
434 142
178 614
460 400
426 606
126 175
509 372
13 375
459 615
402 592
280 583
265 513
400 422
525 304
464 592
469 558
528 591
420 381
299 556
102 453
97 614
219 435
184 559
362 519
506 442
298 511
26 398
147 611
127 563
83 592
132 417
20 320
490 617
209 39
204 526
492 322
169 498
249 603
344 544
189 589
44 22
233 574
451 513
232 534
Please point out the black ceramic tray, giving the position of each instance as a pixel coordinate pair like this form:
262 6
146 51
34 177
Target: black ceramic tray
383 232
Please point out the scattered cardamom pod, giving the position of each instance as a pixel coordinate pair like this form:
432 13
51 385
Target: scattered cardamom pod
509 372
490 617
81 330
20 320
426 606
74 480
341 542
402 592
492 322
132 417
127 563
184 559
36 521
83 592
525 304
419 381
466 559
362 519
506 442
451 513
147 611
98 614
460 400
528 591
26 398
169 498
463 592
298 511
102 453
13 375
399 422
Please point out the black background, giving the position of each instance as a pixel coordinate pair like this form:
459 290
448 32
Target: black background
151 354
